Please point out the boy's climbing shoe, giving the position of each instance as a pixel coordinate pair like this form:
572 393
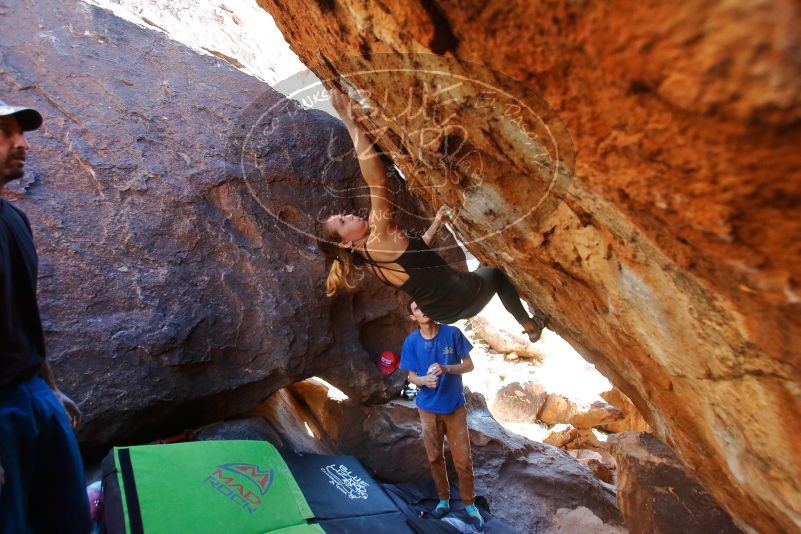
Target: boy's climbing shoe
474 517
442 509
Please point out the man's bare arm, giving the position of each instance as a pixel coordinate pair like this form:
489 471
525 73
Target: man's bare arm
442 214
460 368
70 407
47 374
373 170
427 381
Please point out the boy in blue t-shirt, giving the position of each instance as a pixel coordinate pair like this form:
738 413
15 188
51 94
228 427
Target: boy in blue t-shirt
436 356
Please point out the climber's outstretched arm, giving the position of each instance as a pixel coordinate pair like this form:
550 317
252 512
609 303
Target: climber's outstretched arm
370 162
373 169
443 213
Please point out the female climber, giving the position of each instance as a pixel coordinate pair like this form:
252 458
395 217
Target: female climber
405 261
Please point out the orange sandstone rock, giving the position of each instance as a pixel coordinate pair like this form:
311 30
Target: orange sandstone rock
673 262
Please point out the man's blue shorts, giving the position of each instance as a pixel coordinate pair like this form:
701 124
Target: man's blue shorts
45 490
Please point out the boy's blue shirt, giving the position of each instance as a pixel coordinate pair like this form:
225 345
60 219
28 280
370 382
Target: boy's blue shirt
448 347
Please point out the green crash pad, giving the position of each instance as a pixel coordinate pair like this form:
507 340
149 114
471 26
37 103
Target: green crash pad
209 486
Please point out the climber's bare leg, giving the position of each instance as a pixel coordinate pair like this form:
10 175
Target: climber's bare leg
497 282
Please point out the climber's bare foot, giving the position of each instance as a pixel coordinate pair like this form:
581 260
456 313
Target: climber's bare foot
534 327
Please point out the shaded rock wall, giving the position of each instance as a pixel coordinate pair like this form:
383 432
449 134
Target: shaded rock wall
657 495
673 262
169 296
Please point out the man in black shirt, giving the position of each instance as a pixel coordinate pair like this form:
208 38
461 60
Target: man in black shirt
42 486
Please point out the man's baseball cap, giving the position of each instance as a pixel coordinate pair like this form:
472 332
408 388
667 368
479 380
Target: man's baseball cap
28 118
388 362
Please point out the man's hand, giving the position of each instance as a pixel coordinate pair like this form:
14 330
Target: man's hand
70 407
429 381
443 214
436 369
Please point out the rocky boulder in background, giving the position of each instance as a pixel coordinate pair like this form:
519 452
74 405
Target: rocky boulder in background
519 402
528 402
597 414
502 340
632 419
560 435
672 260
595 462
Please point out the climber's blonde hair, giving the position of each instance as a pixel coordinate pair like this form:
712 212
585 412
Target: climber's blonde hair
346 266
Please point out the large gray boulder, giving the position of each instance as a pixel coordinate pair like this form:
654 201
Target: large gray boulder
177 287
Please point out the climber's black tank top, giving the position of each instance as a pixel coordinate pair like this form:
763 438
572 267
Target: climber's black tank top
439 290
